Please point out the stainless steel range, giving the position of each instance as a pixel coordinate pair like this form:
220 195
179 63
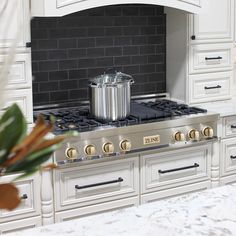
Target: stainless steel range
154 123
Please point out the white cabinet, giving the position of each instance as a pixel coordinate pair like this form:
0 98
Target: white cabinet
14 15
228 161
204 58
228 151
65 7
231 179
23 98
229 126
19 74
210 87
215 24
173 192
178 167
93 184
15 22
19 225
30 194
95 209
205 46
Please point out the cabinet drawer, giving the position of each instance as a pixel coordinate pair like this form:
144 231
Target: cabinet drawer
30 204
96 183
96 209
19 74
210 87
230 126
228 157
210 58
173 192
19 225
23 97
164 170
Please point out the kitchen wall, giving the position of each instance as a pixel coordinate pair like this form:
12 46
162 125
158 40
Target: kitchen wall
67 51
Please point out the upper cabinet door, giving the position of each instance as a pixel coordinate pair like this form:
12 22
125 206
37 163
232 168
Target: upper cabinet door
216 24
14 22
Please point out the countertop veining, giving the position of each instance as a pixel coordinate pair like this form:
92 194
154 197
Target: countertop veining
211 212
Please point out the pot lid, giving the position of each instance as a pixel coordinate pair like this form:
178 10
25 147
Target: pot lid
111 77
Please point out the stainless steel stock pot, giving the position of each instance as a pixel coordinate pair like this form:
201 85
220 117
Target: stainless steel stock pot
110 95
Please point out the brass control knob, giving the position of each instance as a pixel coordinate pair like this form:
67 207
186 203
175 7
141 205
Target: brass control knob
108 148
178 136
208 132
125 145
71 153
194 134
90 150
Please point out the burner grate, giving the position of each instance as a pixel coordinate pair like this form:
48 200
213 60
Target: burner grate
79 119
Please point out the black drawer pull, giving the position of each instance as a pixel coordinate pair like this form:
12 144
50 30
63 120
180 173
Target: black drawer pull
233 126
24 196
213 58
99 184
233 157
213 87
178 169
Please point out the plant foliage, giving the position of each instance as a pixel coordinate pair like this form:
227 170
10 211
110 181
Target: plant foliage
22 153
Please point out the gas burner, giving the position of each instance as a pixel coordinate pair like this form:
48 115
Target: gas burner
78 118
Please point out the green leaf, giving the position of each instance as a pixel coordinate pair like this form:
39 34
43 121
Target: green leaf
33 160
12 130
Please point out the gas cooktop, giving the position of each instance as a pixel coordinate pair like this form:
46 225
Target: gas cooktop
79 119
153 123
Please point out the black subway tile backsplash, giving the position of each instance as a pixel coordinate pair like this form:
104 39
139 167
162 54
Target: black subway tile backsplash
58 75
67 51
59 96
77 74
55 54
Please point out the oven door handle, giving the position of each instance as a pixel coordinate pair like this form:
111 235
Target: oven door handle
119 180
178 169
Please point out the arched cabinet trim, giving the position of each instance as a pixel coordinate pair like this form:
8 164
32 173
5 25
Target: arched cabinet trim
65 7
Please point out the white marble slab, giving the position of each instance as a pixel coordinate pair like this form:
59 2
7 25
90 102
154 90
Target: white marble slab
224 108
210 213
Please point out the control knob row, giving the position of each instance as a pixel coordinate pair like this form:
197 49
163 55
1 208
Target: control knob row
90 150
194 134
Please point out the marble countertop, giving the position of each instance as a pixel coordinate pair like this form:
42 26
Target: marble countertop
211 212
224 108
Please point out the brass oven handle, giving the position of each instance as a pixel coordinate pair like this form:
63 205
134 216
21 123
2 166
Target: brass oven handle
99 184
178 169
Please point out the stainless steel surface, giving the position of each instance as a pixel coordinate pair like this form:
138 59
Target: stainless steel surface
149 132
80 103
110 96
107 140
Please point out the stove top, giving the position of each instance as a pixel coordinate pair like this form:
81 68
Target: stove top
79 119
